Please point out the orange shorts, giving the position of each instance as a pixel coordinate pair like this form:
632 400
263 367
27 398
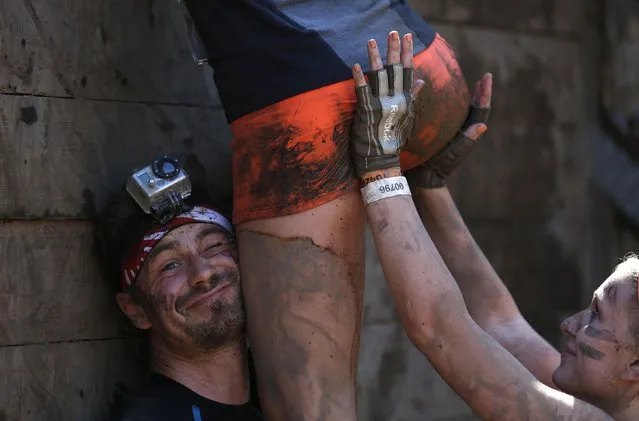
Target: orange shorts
294 155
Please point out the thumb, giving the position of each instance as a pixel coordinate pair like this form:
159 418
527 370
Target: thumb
475 131
417 86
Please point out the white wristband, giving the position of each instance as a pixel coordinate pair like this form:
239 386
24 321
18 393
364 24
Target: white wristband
385 188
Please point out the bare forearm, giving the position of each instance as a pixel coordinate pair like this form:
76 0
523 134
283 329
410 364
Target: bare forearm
430 304
488 300
410 261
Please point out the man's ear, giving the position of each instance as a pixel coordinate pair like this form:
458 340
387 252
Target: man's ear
133 311
631 373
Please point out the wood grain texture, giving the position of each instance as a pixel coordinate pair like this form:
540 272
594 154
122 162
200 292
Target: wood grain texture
116 49
61 158
547 18
50 286
67 382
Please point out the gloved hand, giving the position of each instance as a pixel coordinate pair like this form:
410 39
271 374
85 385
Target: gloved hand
433 173
384 115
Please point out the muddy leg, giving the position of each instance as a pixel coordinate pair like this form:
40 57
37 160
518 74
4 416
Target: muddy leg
303 287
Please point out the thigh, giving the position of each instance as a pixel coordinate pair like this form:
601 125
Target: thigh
303 283
300 235
293 156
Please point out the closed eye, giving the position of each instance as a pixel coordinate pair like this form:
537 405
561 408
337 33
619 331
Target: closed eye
214 245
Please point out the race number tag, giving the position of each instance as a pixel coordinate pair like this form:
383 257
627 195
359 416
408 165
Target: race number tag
385 188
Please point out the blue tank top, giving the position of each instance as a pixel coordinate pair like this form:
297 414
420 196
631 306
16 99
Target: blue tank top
264 51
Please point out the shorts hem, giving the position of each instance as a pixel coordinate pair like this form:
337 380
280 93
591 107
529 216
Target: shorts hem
271 212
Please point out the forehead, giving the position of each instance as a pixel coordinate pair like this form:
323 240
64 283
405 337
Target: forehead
619 288
191 233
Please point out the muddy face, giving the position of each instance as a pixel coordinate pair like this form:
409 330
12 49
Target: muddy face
599 360
188 290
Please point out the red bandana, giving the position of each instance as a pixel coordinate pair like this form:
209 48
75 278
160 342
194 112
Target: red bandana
142 249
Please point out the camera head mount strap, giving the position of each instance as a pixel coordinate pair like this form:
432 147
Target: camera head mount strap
171 206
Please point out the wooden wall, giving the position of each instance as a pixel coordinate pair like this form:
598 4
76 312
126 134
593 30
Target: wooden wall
90 89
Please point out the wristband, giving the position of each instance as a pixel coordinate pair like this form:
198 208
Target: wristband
385 188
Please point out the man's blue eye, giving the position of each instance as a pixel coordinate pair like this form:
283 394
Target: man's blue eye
169 266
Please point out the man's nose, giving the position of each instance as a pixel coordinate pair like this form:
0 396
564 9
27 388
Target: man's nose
202 271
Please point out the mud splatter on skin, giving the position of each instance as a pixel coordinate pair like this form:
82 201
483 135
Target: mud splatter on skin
356 275
590 352
600 334
304 307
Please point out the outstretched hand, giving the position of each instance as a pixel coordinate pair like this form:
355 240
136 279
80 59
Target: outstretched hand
384 115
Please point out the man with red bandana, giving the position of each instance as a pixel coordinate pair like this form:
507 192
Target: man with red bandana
282 70
179 281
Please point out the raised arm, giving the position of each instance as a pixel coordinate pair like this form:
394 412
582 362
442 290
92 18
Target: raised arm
488 300
427 298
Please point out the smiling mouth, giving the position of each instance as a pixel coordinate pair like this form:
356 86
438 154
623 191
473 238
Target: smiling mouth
207 295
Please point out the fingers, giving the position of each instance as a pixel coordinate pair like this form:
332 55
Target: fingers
407 51
374 59
475 131
483 93
394 48
396 78
486 91
393 63
358 76
399 55
417 86
378 78
476 94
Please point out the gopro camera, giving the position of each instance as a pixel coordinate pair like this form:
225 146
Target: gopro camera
160 188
